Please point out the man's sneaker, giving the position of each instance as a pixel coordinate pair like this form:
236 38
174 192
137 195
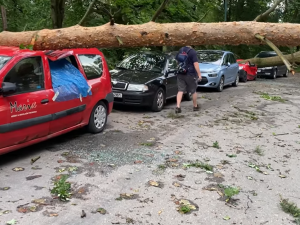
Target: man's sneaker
177 110
197 108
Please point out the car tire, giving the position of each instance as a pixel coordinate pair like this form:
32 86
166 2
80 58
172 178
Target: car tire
98 118
159 100
221 85
286 73
236 82
274 74
188 97
244 79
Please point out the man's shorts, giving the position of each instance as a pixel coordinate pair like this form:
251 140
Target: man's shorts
187 83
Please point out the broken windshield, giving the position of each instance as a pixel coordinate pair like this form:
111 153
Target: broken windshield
3 60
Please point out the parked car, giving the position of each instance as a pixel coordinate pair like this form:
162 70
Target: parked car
44 94
271 71
146 79
218 69
247 71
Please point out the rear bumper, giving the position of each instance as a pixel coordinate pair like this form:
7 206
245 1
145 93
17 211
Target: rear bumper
265 72
134 98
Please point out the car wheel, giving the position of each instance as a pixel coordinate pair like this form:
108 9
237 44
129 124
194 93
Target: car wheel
159 100
286 73
98 118
274 75
244 79
188 96
221 85
236 82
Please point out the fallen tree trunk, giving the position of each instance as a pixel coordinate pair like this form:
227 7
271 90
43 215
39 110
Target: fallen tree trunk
273 61
155 34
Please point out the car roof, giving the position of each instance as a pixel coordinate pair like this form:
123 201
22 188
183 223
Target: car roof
214 51
270 53
12 51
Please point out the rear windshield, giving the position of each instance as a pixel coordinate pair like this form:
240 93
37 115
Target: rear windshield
3 60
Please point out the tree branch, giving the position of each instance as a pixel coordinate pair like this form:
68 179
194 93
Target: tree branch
205 14
88 12
264 16
160 9
284 60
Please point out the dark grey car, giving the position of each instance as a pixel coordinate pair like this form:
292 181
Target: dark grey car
272 71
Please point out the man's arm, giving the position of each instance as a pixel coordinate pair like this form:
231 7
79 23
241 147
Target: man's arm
197 68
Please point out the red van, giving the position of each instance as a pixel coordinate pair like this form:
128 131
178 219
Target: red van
35 105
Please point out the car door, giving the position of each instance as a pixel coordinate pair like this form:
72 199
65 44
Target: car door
172 87
226 69
26 111
69 112
234 67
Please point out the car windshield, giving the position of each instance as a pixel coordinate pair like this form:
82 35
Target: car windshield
143 62
210 57
3 60
265 55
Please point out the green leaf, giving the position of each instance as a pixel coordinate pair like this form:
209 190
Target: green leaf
226 218
11 222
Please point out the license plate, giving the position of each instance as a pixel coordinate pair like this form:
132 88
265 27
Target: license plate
117 95
258 70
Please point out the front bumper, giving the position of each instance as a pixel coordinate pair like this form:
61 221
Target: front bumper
134 98
265 72
209 82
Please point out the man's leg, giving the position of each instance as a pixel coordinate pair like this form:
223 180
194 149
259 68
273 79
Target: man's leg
192 88
181 83
195 99
179 98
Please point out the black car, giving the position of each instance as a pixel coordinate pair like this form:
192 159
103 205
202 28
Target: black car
146 79
272 71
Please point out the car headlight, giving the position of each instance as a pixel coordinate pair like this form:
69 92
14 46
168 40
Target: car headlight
240 67
212 74
137 87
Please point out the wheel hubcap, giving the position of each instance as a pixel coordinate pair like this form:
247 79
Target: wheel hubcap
160 99
100 116
222 84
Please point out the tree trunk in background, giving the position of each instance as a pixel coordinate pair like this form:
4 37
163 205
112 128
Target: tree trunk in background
274 61
4 18
57 13
155 34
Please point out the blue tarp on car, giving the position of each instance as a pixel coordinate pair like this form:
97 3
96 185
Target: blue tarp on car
67 81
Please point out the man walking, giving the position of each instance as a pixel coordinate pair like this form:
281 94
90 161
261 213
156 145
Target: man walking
188 75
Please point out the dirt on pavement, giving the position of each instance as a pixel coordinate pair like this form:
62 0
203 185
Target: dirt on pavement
159 168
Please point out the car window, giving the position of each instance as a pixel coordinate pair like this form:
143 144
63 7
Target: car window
3 60
172 64
144 62
27 74
265 55
226 59
233 60
92 65
210 57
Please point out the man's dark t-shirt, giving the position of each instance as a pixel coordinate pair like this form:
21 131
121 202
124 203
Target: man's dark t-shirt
192 58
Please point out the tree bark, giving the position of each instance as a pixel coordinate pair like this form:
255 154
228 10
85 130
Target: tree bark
4 18
57 13
273 61
160 9
263 17
154 34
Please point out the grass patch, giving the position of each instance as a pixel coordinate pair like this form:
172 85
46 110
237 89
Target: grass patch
298 126
174 115
216 145
62 189
184 209
148 144
259 151
162 167
201 165
272 98
230 192
291 208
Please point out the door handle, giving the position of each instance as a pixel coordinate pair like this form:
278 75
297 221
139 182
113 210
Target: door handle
44 101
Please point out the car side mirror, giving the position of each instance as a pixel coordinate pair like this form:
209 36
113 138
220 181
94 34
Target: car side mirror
8 87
